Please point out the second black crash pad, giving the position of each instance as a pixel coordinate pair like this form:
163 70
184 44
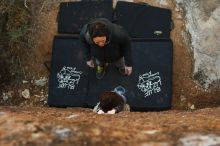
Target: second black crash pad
73 84
73 15
143 21
152 75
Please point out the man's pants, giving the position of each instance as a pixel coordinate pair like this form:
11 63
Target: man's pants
119 63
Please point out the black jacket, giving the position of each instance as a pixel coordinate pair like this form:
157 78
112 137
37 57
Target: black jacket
119 44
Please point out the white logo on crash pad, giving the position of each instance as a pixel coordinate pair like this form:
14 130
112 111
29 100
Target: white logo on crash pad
68 77
149 83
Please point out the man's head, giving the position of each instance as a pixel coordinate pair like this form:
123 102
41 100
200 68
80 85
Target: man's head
99 33
109 100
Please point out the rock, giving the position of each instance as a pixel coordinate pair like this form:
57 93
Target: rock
72 116
162 2
37 96
182 98
179 16
41 82
202 23
177 9
156 144
24 82
6 96
45 102
26 94
150 132
42 99
62 133
192 107
200 140
37 135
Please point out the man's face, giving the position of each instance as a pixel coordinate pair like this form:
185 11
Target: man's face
100 41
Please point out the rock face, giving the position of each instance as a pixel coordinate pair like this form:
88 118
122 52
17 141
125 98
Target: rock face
202 23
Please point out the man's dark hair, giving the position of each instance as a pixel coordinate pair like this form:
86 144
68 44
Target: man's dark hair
98 29
109 100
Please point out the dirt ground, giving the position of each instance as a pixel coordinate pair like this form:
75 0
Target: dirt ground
32 123
76 126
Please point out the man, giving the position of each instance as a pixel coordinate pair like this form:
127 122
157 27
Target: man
111 102
105 42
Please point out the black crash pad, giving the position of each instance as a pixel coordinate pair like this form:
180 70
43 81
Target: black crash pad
68 78
152 82
142 20
73 15
148 88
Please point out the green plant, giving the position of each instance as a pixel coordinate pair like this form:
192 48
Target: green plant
15 35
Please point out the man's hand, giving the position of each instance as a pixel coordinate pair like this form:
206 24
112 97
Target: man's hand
90 63
100 112
128 70
113 111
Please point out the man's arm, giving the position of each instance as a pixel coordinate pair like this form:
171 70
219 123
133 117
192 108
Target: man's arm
85 45
125 45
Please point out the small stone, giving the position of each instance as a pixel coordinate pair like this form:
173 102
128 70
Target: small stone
156 144
42 100
72 116
150 132
182 98
200 140
36 135
24 82
192 107
179 16
62 133
45 102
177 9
37 95
5 96
21 104
41 82
26 94
163 2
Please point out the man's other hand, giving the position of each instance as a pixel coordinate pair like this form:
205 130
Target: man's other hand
90 63
100 112
128 70
113 111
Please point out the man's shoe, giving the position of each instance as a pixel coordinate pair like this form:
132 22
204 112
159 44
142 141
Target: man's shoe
100 72
122 71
